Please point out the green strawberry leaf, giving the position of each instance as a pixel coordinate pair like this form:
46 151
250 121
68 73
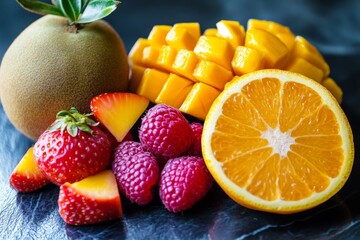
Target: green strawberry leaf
97 9
72 130
56 125
72 121
40 7
85 128
62 113
62 128
91 122
73 110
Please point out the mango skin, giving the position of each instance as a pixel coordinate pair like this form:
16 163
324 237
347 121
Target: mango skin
48 68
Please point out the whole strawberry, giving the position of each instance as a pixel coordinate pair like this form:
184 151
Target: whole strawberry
165 132
183 182
72 148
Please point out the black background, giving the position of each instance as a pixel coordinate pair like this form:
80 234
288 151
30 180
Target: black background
332 26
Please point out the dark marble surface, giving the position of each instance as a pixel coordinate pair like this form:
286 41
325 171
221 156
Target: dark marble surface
333 26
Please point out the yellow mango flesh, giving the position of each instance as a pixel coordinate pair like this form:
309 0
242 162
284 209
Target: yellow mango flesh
150 56
185 63
136 52
275 51
192 27
231 31
166 57
212 74
332 86
216 50
210 32
158 34
180 38
211 60
305 68
247 60
174 91
302 48
151 83
280 31
199 100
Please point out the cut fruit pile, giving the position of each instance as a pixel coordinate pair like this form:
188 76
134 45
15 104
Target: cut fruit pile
76 154
274 140
178 66
277 141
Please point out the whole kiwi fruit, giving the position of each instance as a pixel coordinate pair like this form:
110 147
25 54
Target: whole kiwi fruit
56 64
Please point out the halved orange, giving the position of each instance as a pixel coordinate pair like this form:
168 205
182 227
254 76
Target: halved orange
277 141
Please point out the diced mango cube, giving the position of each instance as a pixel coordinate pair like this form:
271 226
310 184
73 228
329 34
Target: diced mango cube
266 25
216 50
304 49
151 83
192 27
185 63
287 38
275 51
158 34
231 31
212 74
167 57
210 32
199 100
331 85
174 91
282 32
180 38
136 52
137 73
150 56
300 65
247 60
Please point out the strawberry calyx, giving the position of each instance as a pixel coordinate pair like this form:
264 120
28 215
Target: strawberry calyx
73 121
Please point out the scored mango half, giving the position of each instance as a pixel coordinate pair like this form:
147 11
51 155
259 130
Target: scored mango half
179 66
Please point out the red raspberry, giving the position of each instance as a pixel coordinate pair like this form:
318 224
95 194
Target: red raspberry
127 149
195 148
137 175
183 182
165 132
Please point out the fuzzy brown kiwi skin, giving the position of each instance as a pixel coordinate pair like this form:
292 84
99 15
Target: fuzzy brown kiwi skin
49 67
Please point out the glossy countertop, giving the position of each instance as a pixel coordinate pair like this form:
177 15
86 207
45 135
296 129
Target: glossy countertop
332 26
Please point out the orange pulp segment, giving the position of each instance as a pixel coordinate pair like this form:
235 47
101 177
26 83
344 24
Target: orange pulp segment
277 141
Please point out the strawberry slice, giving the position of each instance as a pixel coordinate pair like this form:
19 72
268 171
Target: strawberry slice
92 200
27 176
118 112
